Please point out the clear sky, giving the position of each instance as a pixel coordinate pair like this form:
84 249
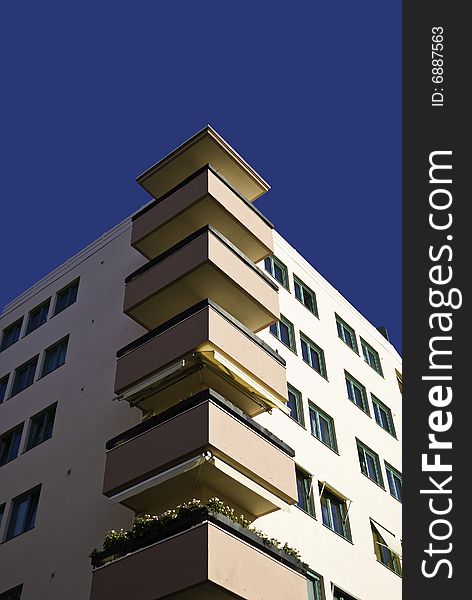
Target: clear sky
309 93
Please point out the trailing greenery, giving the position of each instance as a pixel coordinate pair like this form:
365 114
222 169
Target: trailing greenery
148 524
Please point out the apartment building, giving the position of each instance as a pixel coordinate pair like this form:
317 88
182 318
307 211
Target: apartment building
191 353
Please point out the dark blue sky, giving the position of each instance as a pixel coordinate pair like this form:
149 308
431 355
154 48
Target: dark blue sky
308 92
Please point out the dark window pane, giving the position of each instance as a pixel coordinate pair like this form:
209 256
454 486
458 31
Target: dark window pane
37 317
3 388
23 514
24 376
268 264
305 353
298 291
54 357
284 334
11 334
66 297
324 430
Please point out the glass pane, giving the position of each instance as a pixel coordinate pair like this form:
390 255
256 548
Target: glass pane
308 301
314 423
291 403
370 463
279 274
305 353
315 360
284 334
273 329
325 512
358 397
268 264
298 291
18 518
324 431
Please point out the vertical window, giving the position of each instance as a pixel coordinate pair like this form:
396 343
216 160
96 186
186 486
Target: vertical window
66 297
304 490
370 463
383 415
305 295
3 387
13 594
38 316
394 479
356 393
384 553
313 582
10 444
24 376
277 269
54 357
371 357
322 426
23 513
340 595
334 512
295 404
313 355
41 426
283 331
11 334
399 381
347 334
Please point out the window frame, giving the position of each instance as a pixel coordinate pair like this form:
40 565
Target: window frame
6 330
377 367
32 496
305 288
46 411
312 407
378 404
384 554
308 493
304 339
316 582
276 261
18 429
298 403
46 355
376 460
395 473
4 380
291 333
66 288
37 309
351 383
25 365
341 324
329 496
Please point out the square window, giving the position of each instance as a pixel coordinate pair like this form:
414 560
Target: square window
10 444
370 463
305 295
284 332
24 376
277 269
347 334
295 404
11 334
394 479
41 426
371 357
66 297
3 387
304 490
23 513
38 316
335 512
54 357
383 415
313 355
322 426
356 393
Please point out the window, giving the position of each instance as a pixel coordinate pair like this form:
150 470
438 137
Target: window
394 479
38 316
283 331
340 595
40 428
356 392
305 295
334 511
54 357
66 297
347 334
2 511
304 490
313 355
23 513
383 415
277 269
295 404
3 387
371 357
399 381
384 554
370 463
13 594
24 376
313 582
11 334
322 426
10 444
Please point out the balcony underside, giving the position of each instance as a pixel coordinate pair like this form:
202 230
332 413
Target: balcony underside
205 265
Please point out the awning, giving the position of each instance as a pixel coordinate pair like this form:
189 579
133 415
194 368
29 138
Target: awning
391 542
336 492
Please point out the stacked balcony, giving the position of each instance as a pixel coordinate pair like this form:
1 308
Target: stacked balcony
199 375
